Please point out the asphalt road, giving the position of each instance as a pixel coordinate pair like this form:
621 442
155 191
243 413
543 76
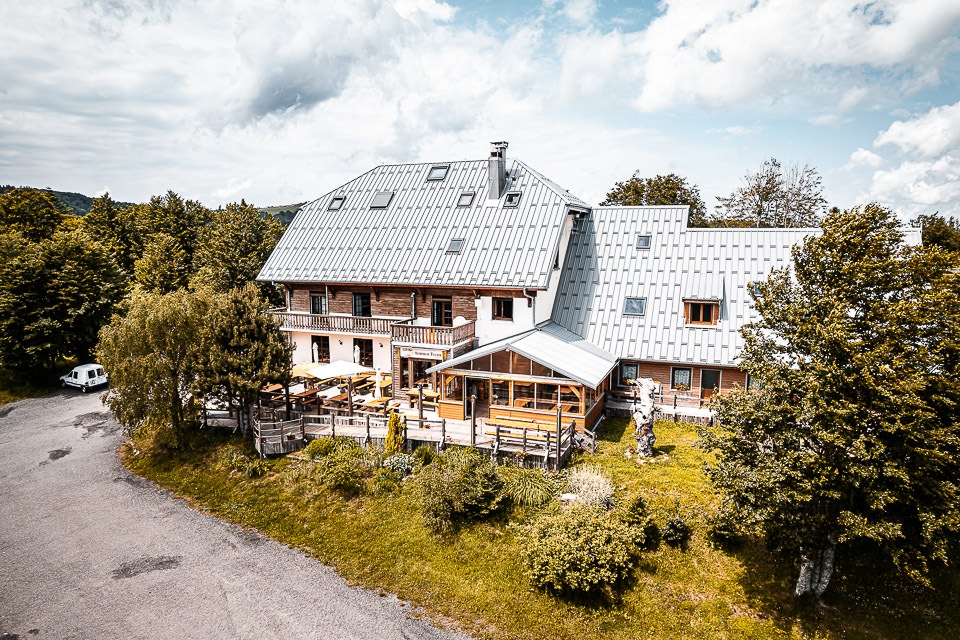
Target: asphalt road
89 550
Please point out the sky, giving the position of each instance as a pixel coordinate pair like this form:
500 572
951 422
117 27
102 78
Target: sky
281 101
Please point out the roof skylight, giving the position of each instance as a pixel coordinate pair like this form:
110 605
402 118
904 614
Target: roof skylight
455 245
644 241
381 199
466 199
634 306
438 172
512 199
336 203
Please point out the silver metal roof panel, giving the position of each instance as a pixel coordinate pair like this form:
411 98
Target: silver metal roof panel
405 242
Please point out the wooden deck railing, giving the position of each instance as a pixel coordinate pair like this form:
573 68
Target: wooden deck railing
446 336
344 324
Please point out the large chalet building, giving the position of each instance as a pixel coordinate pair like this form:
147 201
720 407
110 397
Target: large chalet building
484 280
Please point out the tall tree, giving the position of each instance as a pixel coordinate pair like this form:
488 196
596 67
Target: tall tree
774 197
853 433
670 189
244 349
116 227
34 213
163 267
234 246
155 358
54 297
939 231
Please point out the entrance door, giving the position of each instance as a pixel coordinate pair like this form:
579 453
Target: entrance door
709 382
479 387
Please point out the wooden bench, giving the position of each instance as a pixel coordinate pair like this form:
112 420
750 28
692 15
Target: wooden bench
512 433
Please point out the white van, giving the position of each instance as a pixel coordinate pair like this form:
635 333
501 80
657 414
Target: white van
85 376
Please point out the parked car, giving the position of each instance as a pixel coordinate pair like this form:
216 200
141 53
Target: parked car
85 377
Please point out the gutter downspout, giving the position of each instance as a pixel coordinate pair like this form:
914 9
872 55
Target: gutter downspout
533 304
413 304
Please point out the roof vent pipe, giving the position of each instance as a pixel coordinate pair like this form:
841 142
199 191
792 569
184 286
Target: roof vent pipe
497 169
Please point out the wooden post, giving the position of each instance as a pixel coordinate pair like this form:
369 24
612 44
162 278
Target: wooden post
496 435
524 450
557 463
286 393
368 428
674 410
443 433
420 402
473 421
333 426
350 396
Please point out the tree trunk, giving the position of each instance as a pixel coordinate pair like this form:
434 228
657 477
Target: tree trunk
816 568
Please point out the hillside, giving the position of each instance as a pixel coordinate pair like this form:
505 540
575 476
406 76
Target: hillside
80 204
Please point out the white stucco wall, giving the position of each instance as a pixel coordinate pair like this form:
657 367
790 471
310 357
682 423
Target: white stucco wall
489 330
344 351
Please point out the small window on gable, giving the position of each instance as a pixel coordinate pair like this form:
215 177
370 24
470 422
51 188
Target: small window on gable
512 199
635 306
465 199
336 203
455 245
438 172
643 241
503 308
381 199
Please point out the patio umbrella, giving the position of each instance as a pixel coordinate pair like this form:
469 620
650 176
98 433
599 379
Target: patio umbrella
337 369
302 369
376 385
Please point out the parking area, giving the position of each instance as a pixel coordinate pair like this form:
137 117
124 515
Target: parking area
89 550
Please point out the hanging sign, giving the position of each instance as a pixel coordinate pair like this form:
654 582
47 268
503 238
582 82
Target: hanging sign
422 354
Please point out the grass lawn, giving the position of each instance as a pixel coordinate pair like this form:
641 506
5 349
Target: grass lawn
473 579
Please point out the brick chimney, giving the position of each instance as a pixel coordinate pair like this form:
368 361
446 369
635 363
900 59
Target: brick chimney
497 169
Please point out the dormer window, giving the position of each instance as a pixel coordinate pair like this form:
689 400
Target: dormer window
644 241
512 199
701 312
438 172
634 306
465 199
336 203
381 199
455 245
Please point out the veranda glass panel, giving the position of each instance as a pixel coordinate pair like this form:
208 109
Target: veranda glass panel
523 394
501 393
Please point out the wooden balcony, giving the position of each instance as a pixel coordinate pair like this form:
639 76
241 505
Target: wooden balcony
333 324
404 332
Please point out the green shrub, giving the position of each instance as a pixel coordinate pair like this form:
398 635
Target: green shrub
676 531
394 440
318 448
255 468
322 447
384 481
582 550
401 464
634 513
592 487
424 455
233 459
460 485
528 487
340 471
724 530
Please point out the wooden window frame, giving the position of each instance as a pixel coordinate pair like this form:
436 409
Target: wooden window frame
446 314
693 308
323 348
498 306
363 342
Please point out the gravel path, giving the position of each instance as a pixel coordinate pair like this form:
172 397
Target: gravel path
89 550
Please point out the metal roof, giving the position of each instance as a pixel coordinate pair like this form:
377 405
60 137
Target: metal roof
405 243
603 267
552 346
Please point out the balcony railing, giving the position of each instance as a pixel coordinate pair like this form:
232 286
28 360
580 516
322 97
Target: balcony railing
340 324
417 334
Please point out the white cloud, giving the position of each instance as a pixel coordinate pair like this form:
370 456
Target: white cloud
921 187
928 135
720 53
580 12
863 158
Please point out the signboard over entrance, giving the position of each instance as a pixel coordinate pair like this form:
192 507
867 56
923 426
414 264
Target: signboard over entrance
423 354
